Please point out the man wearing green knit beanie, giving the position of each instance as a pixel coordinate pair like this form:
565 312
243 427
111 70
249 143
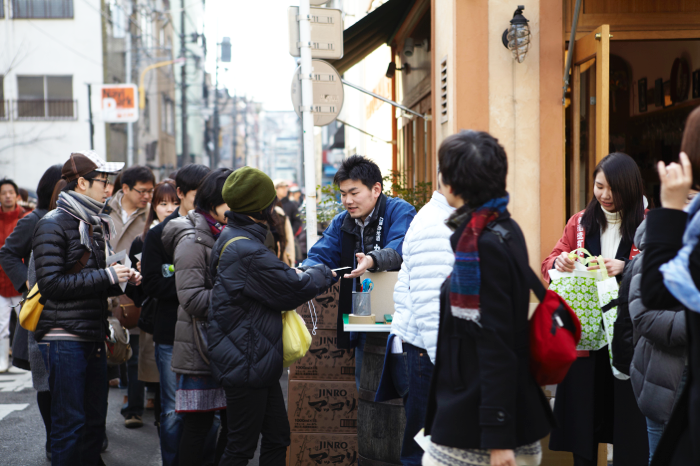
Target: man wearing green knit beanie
252 288
248 190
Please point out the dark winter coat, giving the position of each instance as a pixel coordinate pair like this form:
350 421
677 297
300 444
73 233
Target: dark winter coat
251 289
659 350
14 255
482 394
190 241
14 260
665 228
591 406
157 286
74 302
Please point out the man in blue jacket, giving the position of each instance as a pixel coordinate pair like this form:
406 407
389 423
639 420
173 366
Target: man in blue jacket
367 236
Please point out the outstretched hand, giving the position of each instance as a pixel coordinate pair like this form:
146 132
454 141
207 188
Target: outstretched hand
364 263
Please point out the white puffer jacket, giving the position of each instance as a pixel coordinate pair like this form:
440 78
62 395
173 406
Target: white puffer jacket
427 260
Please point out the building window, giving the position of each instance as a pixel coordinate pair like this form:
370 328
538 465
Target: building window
168 116
25 9
2 8
45 98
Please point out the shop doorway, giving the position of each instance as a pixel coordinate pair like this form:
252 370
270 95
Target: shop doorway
630 96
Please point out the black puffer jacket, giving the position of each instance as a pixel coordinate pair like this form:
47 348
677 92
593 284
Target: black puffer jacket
75 302
251 289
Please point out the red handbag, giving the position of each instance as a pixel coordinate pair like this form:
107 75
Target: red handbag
554 327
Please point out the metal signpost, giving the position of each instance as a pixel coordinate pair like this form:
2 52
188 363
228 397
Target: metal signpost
326 33
327 43
328 93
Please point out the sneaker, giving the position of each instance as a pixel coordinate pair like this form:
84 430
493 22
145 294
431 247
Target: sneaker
133 422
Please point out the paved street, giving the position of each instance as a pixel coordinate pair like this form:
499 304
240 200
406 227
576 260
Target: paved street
22 434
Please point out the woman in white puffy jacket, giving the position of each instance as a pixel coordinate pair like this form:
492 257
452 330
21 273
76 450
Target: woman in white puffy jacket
427 261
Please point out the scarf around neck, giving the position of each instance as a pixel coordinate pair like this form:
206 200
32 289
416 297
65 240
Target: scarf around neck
676 272
214 226
89 212
465 283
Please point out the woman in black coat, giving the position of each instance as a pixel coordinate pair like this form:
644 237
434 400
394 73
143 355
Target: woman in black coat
591 406
252 288
484 407
666 230
14 258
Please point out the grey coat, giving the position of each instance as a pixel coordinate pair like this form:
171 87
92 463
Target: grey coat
190 241
660 347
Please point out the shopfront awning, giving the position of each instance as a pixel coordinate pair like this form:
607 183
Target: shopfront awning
375 29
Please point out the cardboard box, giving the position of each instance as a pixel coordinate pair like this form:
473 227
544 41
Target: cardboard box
382 296
323 406
326 306
324 361
321 449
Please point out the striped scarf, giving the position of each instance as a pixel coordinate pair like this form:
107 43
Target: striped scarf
89 212
465 282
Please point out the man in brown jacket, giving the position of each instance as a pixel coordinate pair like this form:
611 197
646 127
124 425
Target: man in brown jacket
129 209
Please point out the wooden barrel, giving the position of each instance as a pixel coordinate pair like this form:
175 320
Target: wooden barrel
380 426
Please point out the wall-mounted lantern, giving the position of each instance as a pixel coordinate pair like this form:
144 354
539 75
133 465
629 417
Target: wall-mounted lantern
517 37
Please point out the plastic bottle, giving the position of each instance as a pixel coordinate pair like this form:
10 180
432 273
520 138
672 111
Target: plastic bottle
168 270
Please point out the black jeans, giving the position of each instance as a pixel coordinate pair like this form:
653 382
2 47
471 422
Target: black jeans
135 388
195 429
251 412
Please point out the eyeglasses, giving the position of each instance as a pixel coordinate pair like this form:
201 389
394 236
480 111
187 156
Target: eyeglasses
98 179
144 192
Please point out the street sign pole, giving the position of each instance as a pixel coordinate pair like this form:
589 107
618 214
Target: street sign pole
307 121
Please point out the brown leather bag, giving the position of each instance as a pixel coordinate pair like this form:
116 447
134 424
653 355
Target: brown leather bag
127 313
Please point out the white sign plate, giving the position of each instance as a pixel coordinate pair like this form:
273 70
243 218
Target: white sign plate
317 2
328 92
326 33
115 103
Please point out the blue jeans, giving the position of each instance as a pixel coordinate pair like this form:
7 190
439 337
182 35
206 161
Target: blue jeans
134 407
411 372
655 429
359 355
78 383
170 421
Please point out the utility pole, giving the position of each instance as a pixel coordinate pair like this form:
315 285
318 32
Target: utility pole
128 72
92 125
215 155
183 88
235 129
307 103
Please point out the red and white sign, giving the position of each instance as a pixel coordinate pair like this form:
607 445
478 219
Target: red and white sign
116 103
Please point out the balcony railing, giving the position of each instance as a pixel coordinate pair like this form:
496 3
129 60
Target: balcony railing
45 109
42 9
4 110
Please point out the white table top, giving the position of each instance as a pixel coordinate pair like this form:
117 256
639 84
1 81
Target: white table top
367 328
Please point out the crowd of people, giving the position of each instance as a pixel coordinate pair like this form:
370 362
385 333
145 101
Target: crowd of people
207 260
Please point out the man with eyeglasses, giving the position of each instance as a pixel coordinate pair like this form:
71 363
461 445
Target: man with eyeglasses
128 209
75 282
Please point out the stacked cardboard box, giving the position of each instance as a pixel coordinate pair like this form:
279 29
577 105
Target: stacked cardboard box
323 399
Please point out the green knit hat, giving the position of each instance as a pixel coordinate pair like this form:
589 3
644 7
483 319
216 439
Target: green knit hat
248 190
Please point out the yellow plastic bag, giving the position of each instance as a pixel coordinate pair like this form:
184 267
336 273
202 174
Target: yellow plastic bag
31 310
296 339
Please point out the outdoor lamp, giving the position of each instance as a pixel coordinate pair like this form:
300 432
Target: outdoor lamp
517 37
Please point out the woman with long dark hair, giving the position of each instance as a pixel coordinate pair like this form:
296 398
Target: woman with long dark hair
591 406
164 203
14 258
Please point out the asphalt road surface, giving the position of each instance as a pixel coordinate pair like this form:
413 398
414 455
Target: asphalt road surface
22 434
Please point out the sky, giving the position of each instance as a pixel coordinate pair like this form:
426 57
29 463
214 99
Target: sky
261 67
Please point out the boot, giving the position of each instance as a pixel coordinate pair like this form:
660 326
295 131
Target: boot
4 354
